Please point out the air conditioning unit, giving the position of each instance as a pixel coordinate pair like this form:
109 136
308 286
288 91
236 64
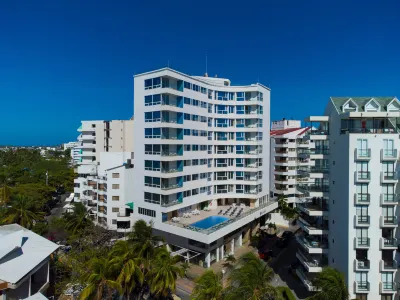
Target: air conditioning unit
360 264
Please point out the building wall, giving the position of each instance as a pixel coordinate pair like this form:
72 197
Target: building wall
140 141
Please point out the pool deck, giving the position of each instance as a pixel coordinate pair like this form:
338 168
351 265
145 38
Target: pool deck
205 214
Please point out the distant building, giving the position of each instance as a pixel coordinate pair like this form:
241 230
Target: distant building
70 145
24 262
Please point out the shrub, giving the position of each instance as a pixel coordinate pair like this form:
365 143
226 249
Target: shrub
286 293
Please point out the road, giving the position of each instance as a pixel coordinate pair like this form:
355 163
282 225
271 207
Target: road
283 277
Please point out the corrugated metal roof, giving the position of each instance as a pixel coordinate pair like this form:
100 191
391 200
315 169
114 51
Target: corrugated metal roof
25 250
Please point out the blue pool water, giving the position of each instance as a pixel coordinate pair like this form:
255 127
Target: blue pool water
209 222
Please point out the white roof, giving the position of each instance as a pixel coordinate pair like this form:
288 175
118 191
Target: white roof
21 250
37 296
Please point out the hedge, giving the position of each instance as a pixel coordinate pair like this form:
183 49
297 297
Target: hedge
286 293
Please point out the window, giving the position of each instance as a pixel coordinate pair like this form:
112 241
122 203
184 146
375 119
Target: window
186 132
195 147
240 96
186 117
115 186
361 296
362 148
203 147
187 85
152 83
115 175
195 118
186 100
153 116
260 110
187 194
195 177
187 147
152 198
114 222
383 297
152 165
195 162
196 88
195 132
240 109
147 212
115 209
195 102
152 133
388 148
239 175
203 119
239 123
152 149
362 192
240 136
260 96
388 192
195 192
152 181
203 161
388 170
239 149
239 162
259 136
203 90
115 198
152 100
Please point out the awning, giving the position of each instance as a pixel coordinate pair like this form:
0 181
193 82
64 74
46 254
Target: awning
130 205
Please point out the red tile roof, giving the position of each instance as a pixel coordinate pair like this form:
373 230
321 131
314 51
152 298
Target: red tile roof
285 131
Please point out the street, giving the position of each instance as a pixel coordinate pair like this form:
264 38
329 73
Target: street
283 277
58 210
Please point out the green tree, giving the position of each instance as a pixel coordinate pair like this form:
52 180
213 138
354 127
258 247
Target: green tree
100 280
289 213
163 273
78 219
229 262
250 280
331 284
21 211
5 194
131 275
208 286
271 226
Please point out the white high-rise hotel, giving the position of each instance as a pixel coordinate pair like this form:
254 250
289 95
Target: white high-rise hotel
355 175
201 144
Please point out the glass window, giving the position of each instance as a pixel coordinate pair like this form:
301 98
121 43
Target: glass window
187 85
240 96
186 116
186 100
186 131
240 136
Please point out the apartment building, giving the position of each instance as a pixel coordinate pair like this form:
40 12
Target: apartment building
201 160
354 182
286 161
103 145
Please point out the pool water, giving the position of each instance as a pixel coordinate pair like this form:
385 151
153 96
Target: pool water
210 222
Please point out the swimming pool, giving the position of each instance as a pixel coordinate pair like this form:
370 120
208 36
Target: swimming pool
210 222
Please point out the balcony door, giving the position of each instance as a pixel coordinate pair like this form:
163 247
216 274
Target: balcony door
362 236
362 279
362 169
388 169
362 213
388 147
387 279
362 191
362 147
388 213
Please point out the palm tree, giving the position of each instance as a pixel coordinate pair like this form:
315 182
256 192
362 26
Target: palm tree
77 219
331 284
131 274
5 194
143 241
163 273
250 280
22 211
100 280
229 262
208 286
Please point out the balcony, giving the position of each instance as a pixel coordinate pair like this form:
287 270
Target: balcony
387 287
167 187
361 221
362 176
307 282
361 265
388 177
388 154
313 229
361 243
387 265
87 137
388 221
387 244
362 154
361 199
312 265
361 287
319 169
171 153
388 199
313 209
313 246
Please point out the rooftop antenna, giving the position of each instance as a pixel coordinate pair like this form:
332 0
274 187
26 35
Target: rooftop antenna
206 74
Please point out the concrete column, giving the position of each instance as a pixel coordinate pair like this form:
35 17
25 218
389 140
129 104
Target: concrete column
208 259
240 240
222 252
30 286
217 254
232 246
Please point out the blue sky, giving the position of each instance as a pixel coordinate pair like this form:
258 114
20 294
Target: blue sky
66 61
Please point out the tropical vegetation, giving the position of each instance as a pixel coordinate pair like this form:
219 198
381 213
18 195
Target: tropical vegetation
331 285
